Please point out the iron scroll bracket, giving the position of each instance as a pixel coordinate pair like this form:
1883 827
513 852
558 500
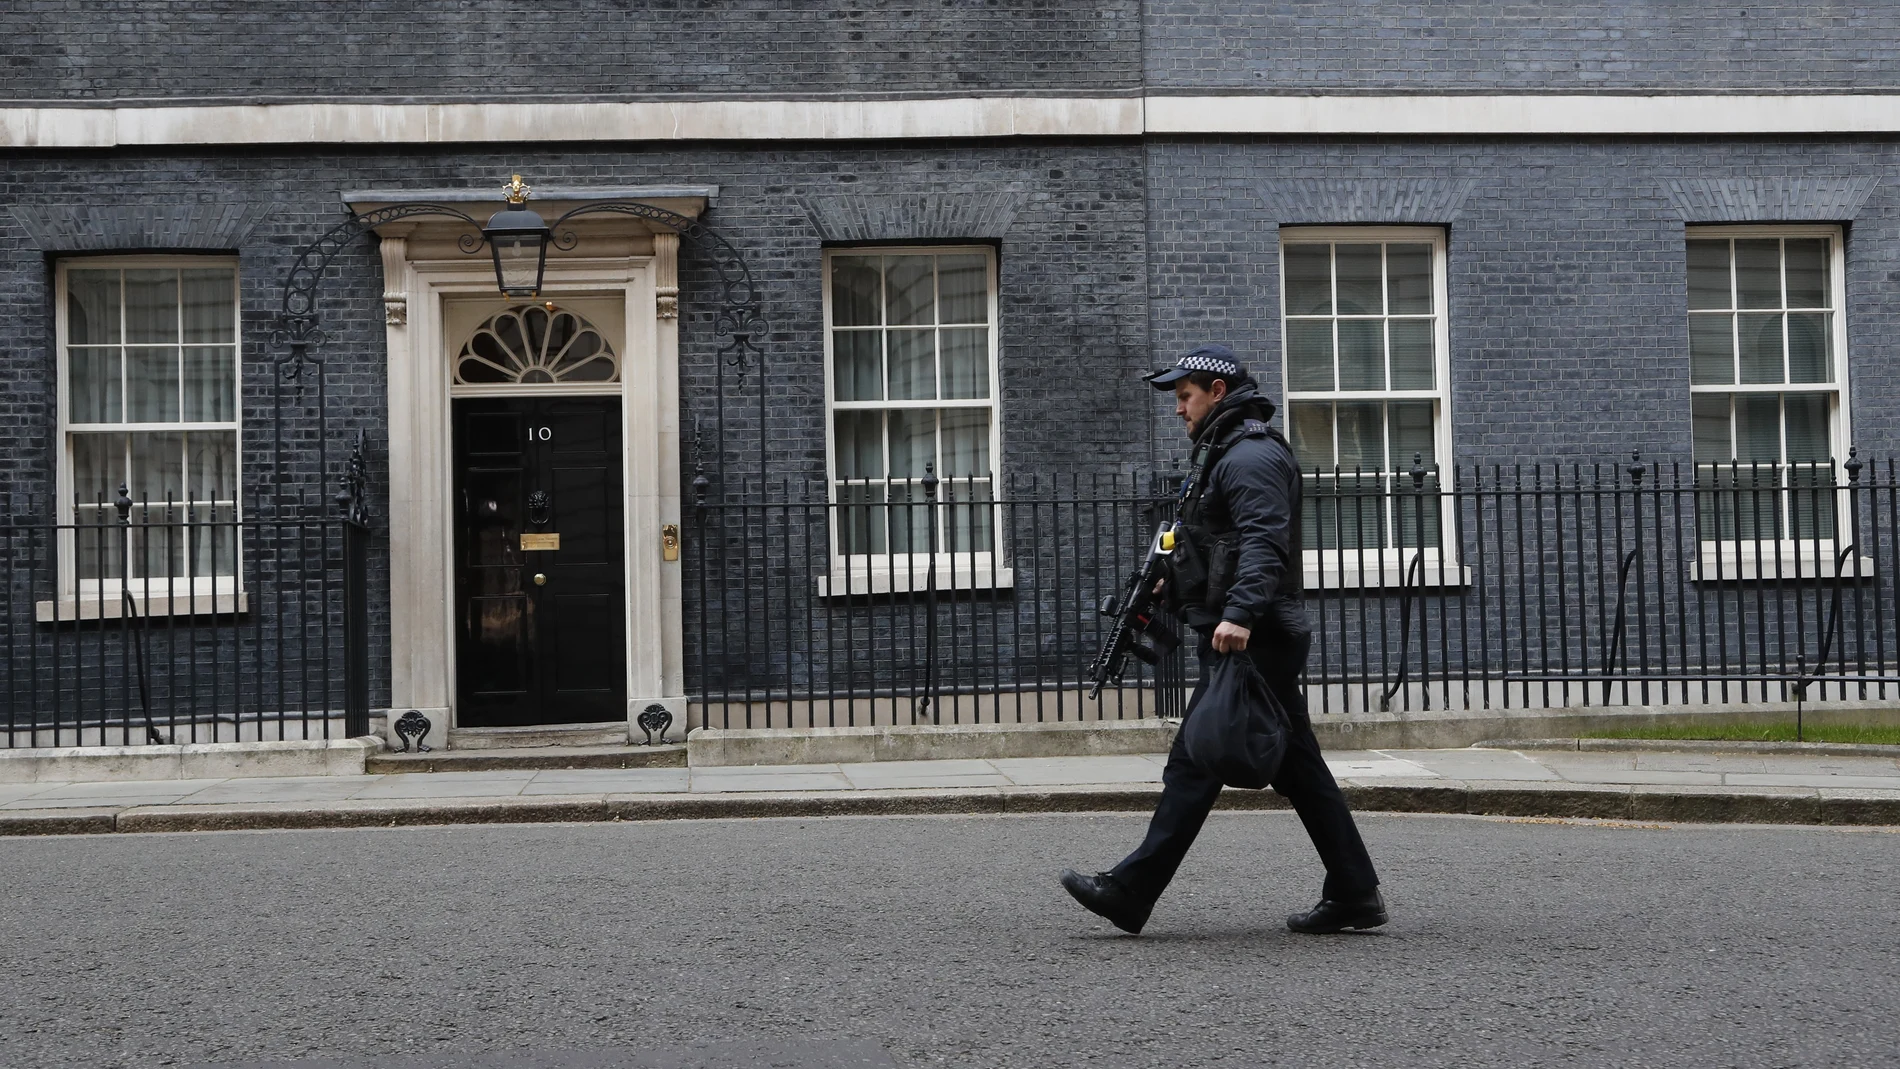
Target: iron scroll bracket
1409 584
299 328
738 322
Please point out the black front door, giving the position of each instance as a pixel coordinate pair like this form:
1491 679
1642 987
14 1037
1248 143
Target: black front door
540 601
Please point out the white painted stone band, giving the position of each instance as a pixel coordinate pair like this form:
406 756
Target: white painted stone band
977 117
1507 115
775 120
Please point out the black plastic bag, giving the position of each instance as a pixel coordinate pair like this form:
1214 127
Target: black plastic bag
1236 731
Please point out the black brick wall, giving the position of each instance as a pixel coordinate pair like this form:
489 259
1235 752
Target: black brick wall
1071 253
1566 272
479 49
1547 45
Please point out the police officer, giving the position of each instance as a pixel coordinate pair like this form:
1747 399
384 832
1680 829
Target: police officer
1244 519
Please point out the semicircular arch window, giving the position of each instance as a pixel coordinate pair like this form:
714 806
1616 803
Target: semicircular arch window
531 345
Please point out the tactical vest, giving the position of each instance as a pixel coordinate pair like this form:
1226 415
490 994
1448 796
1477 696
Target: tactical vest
1205 559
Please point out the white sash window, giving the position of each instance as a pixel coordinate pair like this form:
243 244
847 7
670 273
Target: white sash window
1768 393
910 349
1365 341
148 399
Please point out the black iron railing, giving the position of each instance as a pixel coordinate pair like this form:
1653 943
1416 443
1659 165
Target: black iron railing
1607 584
169 621
915 602
1631 583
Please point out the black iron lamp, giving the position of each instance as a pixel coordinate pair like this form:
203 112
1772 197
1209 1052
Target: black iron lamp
518 237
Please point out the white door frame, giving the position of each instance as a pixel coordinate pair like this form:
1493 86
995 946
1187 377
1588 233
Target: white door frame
421 532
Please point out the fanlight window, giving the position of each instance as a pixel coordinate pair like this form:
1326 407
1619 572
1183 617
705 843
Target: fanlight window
530 344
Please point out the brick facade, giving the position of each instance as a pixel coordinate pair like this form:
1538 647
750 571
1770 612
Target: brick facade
1566 273
617 49
1569 336
1470 45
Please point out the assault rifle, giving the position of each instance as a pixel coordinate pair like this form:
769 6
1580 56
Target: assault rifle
1134 613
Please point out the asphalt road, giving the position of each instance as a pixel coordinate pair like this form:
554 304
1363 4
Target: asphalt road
923 942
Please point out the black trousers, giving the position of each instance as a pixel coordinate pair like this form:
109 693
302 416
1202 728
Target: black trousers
1304 780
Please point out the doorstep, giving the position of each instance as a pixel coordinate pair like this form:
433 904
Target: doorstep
483 759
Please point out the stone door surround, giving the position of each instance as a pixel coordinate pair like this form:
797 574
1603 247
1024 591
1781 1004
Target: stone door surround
618 257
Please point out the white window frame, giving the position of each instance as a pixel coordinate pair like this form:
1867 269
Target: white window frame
1335 569
1728 559
172 595
894 572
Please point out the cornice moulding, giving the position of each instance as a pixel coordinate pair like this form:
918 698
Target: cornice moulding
1278 115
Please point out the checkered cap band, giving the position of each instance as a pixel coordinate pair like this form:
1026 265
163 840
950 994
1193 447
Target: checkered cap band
1208 363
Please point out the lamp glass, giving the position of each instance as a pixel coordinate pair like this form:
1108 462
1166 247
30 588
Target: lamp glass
520 259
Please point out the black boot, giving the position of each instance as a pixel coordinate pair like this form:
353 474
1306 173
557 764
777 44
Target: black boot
1336 916
1104 895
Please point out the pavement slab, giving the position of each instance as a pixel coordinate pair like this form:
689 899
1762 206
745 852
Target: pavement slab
155 792
723 780
448 785
1376 765
1058 771
1477 764
883 775
1646 776
1565 762
287 789
1818 764
870 778
13 792
609 781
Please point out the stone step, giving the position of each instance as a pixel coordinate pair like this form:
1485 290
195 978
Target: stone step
672 755
612 733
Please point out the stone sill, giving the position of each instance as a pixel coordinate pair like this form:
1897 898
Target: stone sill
88 607
1382 578
860 582
1783 563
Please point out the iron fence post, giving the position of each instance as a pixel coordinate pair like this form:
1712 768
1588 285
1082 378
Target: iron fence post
355 630
134 622
1412 574
353 500
930 594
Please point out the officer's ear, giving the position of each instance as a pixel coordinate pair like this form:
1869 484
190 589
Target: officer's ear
1217 390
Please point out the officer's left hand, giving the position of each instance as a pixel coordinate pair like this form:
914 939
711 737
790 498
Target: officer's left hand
1230 637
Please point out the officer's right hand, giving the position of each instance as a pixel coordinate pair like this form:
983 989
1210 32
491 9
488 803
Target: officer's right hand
1230 637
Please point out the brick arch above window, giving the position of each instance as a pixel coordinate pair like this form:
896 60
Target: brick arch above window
1769 200
208 227
946 216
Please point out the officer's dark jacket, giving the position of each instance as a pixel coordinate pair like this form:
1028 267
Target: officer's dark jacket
1251 499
